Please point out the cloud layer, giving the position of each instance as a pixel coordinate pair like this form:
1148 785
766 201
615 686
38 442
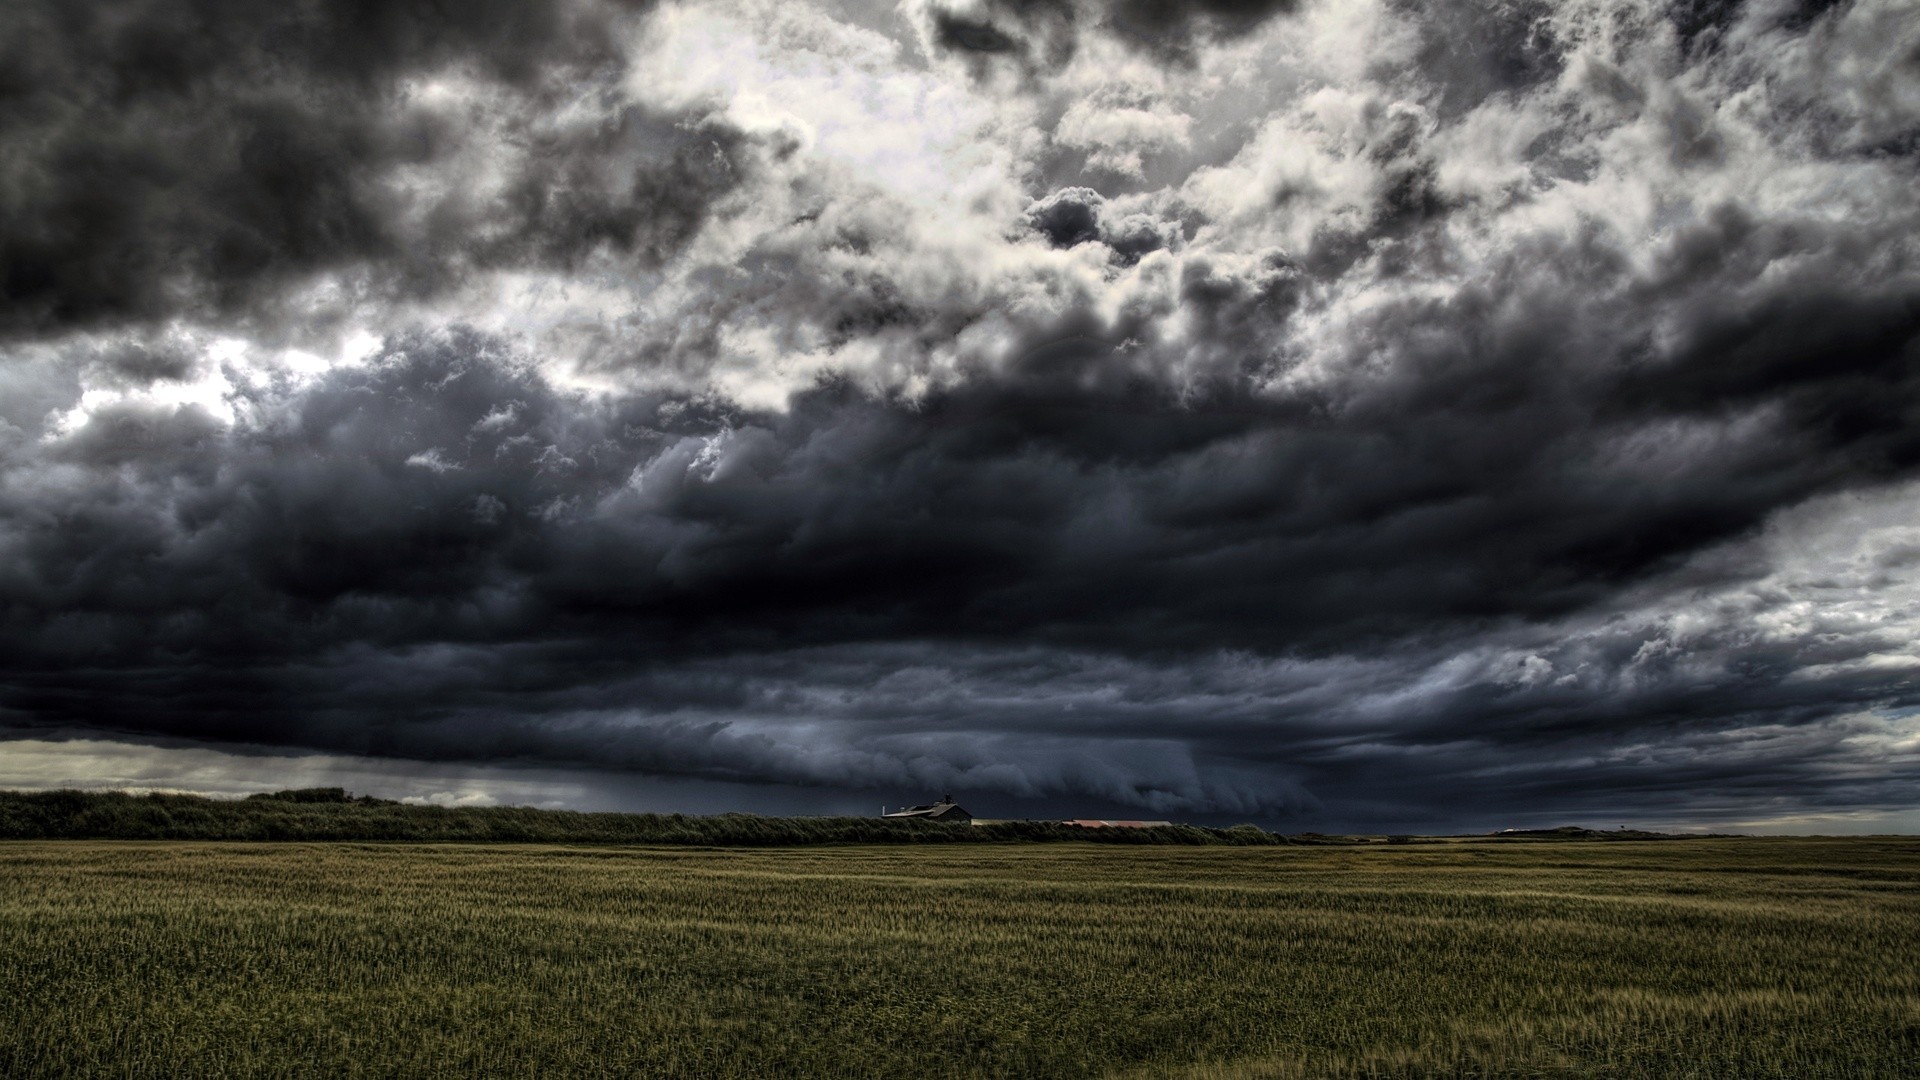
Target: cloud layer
1335 412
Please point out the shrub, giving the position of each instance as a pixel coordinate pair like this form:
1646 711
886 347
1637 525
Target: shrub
306 795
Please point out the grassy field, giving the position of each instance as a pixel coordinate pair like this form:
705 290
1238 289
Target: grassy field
1729 958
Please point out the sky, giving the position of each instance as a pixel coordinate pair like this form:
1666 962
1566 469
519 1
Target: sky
1374 415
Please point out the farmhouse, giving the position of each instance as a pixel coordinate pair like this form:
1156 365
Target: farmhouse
944 810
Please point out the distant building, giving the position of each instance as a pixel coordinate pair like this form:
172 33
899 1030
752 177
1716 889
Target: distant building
1102 823
944 810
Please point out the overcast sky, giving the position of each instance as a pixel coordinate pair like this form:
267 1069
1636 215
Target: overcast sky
1370 414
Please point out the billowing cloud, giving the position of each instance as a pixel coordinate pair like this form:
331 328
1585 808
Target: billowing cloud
1322 412
207 159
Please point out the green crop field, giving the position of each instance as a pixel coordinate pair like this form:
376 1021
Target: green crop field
1728 958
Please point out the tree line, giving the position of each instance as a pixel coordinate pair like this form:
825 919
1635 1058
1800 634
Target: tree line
335 814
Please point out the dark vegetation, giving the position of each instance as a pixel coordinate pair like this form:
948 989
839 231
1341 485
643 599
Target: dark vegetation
333 814
1575 832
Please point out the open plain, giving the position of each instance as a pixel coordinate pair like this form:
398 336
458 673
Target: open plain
1712 957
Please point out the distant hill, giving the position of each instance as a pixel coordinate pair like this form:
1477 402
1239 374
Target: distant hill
1576 832
334 814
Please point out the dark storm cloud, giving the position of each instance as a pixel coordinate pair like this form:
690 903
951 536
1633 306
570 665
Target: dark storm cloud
1067 217
1042 36
164 159
1481 47
1076 215
1037 38
444 537
1702 23
1470 49
143 362
1173 28
1472 433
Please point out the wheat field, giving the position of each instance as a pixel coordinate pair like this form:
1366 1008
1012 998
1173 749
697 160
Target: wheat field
1700 958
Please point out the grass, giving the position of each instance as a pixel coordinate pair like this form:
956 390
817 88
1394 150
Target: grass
1708 958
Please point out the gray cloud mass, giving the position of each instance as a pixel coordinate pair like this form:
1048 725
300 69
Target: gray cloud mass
1375 414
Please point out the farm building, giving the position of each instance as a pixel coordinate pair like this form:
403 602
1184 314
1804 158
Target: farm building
944 810
1101 823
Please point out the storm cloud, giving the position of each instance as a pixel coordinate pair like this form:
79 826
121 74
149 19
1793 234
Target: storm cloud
1365 415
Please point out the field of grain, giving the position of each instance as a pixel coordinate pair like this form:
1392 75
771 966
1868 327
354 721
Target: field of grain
1733 958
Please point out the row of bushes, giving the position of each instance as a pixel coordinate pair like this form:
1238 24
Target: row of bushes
333 814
